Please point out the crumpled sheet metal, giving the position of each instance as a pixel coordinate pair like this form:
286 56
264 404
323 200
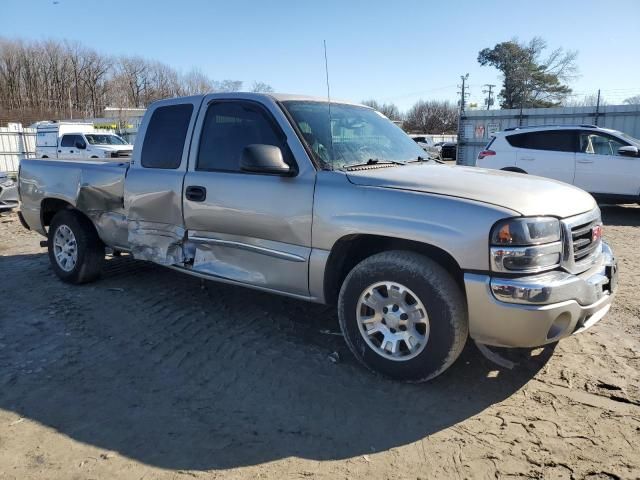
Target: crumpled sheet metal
156 242
111 227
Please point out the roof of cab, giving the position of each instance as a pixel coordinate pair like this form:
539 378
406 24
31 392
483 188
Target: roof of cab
284 97
278 97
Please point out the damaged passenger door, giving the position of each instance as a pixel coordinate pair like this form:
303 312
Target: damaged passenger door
248 227
153 187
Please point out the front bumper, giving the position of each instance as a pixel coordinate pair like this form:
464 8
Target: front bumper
534 310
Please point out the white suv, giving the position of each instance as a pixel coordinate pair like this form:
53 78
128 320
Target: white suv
601 161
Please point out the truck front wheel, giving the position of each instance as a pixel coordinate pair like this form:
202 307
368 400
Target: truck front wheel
403 316
75 250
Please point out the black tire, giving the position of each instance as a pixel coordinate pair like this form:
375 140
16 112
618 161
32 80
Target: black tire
435 288
90 249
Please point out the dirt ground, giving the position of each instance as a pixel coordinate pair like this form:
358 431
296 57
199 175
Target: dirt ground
150 373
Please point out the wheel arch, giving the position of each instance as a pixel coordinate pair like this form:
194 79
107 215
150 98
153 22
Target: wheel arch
350 250
50 206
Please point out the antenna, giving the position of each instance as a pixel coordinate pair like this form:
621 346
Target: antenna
326 69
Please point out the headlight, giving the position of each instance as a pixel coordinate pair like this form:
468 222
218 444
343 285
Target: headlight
526 231
526 245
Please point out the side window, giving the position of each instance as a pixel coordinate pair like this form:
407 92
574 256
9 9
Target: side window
229 127
559 140
79 139
166 133
599 144
68 141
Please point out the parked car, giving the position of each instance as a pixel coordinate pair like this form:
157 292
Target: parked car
448 150
427 144
256 190
8 192
601 161
75 140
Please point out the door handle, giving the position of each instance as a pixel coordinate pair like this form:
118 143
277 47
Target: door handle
527 159
196 193
585 161
59 151
70 151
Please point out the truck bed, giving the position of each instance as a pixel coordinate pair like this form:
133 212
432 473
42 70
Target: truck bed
95 187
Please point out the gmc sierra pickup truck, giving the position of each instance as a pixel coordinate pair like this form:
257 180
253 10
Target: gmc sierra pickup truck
333 203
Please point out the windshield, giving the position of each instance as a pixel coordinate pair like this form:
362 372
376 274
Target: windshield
358 134
105 139
630 139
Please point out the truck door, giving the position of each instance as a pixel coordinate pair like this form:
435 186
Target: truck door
68 148
153 187
248 227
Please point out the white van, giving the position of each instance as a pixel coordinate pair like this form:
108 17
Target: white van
75 140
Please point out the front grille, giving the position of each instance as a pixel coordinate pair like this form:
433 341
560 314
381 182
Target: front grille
121 154
582 238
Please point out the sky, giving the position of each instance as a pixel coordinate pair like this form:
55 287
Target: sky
392 51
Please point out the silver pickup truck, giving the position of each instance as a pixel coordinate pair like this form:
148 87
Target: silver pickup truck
333 203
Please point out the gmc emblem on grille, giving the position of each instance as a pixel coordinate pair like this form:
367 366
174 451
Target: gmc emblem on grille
596 233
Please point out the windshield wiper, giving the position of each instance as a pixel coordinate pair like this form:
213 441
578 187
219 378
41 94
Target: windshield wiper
373 161
425 159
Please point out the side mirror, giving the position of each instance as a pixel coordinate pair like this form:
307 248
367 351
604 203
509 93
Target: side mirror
628 151
258 158
80 145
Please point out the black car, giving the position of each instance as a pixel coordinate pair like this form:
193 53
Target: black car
447 150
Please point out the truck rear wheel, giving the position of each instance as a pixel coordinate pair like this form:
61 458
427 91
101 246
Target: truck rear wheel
403 316
75 250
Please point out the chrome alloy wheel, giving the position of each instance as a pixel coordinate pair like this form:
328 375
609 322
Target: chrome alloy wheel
65 248
393 321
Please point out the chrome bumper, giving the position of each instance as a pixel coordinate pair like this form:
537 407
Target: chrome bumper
535 310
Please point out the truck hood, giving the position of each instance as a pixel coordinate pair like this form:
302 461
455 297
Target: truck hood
525 194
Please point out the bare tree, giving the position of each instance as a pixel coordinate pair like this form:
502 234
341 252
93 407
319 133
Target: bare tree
228 86
196 82
94 78
261 87
635 100
54 79
585 101
431 116
389 110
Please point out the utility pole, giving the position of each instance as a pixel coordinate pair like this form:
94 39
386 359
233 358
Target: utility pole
489 92
463 101
463 92
597 109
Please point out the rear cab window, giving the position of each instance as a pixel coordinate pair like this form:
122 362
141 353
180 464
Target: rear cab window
165 137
